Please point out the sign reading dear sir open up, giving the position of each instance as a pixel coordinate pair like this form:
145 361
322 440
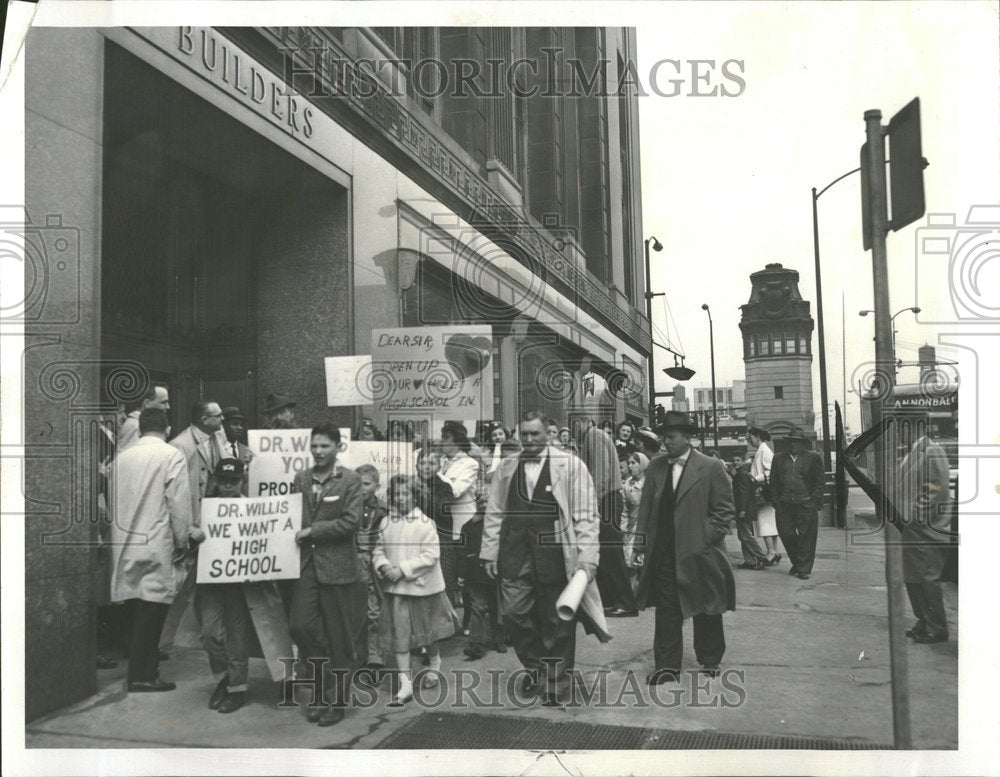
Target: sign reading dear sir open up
249 539
444 370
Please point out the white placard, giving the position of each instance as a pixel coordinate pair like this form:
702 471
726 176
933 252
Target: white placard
347 380
278 455
389 458
443 370
249 539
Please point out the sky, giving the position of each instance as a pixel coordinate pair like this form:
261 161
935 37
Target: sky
726 181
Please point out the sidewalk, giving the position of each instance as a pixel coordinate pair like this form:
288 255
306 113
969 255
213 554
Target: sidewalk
807 658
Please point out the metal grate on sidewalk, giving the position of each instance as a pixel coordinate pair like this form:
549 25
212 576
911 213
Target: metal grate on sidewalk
449 730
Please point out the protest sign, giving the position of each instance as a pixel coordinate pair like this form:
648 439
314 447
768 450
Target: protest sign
444 370
389 458
347 380
249 539
278 455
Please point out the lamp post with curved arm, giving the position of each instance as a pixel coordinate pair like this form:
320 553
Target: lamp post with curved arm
657 246
915 310
715 407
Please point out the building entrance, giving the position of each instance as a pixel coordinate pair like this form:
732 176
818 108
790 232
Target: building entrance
204 220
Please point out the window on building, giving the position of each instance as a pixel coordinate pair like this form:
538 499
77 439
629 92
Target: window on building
419 44
779 392
776 344
765 347
803 344
752 342
790 343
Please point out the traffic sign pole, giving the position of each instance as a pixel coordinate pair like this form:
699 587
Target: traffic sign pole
886 445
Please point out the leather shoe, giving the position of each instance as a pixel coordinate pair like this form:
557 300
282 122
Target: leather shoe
150 686
661 676
233 702
620 612
551 701
528 685
218 694
500 647
313 714
163 656
775 561
923 638
914 631
473 652
748 565
331 716
793 571
802 575
712 670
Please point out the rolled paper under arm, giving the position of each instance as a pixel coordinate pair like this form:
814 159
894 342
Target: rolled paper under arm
571 596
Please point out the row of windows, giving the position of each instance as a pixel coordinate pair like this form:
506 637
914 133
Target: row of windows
721 396
777 344
571 182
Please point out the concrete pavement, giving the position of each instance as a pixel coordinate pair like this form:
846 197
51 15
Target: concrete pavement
805 658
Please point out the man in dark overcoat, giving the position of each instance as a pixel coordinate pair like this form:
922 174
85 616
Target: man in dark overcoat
684 515
797 483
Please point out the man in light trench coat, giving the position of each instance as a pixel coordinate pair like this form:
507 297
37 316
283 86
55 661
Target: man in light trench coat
541 526
151 529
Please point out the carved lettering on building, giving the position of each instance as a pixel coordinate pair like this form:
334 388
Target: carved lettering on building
252 84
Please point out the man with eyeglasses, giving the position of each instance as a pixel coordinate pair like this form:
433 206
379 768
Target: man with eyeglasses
203 444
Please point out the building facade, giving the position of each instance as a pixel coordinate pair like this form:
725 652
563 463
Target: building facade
777 353
247 201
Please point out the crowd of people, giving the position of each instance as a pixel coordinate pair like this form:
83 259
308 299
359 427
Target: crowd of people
494 527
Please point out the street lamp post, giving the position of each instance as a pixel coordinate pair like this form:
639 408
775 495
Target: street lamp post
915 310
657 246
715 407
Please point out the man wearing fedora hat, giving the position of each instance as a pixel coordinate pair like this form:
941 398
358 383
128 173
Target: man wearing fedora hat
234 423
685 512
279 410
797 483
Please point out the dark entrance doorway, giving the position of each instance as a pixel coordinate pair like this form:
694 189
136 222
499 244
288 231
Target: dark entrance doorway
199 211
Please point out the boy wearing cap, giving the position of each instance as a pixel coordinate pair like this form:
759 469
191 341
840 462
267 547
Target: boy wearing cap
228 611
225 619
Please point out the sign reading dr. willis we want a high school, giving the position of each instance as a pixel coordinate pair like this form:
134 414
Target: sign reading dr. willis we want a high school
442 370
249 539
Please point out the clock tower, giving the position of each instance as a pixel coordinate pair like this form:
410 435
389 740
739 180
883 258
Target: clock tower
777 353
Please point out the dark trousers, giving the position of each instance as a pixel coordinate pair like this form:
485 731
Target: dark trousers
928 607
484 624
752 554
612 573
668 631
798 527
325 623
144 648
225 631
537 632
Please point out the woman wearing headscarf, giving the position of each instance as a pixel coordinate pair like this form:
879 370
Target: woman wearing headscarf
631 493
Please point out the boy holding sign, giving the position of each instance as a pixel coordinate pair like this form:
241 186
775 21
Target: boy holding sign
327 599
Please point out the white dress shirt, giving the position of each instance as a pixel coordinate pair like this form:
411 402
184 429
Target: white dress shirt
533 469
678 467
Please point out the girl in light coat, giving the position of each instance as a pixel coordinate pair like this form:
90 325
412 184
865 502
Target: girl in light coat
407 558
